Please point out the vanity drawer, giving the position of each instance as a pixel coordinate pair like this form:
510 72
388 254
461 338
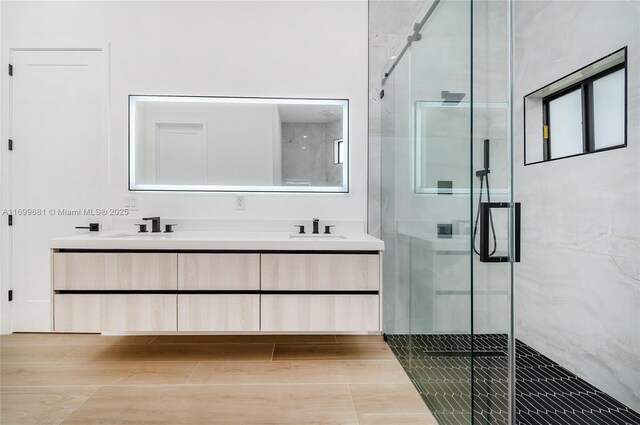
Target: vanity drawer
76 313
139 312
328 272
207 272
87 271
320 313
219 312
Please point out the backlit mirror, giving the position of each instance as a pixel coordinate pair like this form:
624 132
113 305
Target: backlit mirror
179 143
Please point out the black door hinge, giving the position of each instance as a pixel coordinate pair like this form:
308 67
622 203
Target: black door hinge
10 294
10 69
10 144
10 219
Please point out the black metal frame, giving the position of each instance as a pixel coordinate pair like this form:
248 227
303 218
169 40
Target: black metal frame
333 192
586 88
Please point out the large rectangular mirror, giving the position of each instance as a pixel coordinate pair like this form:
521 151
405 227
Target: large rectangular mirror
180 143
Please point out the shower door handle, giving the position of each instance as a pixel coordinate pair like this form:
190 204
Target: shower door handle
485 211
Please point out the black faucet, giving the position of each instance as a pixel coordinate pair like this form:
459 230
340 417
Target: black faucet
315 226
155 224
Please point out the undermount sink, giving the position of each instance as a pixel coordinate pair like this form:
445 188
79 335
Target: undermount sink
140 235
316 237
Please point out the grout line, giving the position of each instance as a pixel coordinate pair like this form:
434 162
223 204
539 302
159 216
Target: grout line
353 405
81 404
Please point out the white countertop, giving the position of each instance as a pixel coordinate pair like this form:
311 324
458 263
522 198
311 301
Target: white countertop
219 240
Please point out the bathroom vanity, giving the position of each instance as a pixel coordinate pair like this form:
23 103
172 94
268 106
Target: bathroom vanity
209 282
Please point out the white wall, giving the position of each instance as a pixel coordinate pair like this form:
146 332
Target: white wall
270 49
578 285
233 48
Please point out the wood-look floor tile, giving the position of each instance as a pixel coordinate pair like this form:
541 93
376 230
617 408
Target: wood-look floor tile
397 419
171 352
301 371
34 353
72 339
387 398
218 404
40 405
244 339
359 339
331 351
58 374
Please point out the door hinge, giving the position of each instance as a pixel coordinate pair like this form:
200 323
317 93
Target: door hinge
10 219
10 144
10 294
10 69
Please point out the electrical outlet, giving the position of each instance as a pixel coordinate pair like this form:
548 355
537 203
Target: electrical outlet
240 203
131 203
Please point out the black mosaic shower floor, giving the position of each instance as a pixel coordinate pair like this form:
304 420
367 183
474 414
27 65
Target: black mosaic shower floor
546 393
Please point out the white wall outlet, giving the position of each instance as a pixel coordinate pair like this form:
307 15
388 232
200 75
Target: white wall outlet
131 203
240 203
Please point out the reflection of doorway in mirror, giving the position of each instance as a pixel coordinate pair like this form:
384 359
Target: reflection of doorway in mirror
180 153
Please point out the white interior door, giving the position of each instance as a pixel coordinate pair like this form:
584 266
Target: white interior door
181 154
59 122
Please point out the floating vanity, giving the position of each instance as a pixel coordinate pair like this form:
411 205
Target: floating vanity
217 282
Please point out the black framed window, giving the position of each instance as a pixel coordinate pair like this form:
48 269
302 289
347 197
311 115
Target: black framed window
582 113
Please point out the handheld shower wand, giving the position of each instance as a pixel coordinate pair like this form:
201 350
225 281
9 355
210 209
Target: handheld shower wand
482 175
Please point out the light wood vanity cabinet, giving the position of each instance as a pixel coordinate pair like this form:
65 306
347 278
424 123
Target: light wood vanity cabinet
77 312
321 272
219 312
86 271
139 312
119 292
320 313
210 272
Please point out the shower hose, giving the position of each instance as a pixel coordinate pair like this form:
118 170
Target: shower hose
475 225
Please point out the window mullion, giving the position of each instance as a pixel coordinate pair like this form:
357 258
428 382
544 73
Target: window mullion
587 117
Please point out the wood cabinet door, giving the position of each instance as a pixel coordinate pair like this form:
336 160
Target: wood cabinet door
207 272
320 313
114 271
219 312
139 312
328 272
76 313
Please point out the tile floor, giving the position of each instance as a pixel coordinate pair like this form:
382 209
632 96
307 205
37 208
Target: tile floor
546 393
288 379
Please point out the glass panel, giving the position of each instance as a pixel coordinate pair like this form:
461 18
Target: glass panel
446 314
609 110
565 125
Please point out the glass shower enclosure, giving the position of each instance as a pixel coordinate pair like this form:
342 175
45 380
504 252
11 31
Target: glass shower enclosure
448 217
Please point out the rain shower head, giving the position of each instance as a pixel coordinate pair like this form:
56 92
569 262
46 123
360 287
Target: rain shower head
449 97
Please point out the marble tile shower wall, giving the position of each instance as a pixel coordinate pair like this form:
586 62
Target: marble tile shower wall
307 154
578 285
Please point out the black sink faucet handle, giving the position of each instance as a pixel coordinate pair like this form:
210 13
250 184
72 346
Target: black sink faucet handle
143 228
168 228
155 224
93 227
301 231
327 229
315 226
